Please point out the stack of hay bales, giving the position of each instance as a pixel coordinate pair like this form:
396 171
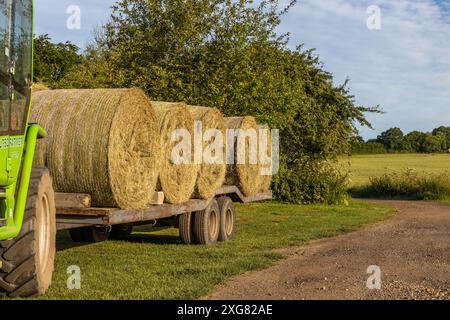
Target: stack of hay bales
266 180
118 146
176 179
246 175
211 176
104 142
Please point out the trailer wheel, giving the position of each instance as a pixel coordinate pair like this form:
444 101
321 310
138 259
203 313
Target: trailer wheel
207 224
89 234
121 232
227 219
27 262
186 227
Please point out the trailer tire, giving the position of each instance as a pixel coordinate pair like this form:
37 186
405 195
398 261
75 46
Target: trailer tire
227 219
207 224
186 223
27 262
121 231
89 234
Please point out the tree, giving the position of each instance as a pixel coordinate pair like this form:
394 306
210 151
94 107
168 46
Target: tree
444 131
227 54
392 139
414 141
359 146
433 143
94 72
53 61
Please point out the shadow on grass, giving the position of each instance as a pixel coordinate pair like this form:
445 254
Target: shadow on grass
153 239
64 242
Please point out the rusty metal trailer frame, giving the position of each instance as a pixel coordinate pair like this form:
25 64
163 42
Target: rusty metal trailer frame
71 218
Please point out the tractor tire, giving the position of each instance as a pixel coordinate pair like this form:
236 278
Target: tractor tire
89 234
227 219
207 224
27 262
121 232
186 227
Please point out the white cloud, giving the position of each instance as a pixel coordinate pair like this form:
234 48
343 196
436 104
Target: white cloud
404 67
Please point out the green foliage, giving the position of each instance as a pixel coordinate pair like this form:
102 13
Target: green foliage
92 73
319 182
392 139
227 54
359 146
434 143
445 132
414 141
53 61
407 184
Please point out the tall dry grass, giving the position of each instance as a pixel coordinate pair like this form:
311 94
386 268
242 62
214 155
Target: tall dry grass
407 184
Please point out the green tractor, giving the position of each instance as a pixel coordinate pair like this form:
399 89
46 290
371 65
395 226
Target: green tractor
27 205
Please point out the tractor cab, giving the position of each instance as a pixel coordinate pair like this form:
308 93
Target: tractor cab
16 42
16 38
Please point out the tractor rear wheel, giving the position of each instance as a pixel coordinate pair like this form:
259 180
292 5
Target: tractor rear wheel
27 262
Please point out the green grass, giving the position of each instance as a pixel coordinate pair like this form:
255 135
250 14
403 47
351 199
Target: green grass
363 167
407 184
157 266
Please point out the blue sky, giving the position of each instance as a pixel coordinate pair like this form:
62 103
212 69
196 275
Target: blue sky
404 67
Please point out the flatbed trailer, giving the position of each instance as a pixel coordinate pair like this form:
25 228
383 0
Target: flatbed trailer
73 211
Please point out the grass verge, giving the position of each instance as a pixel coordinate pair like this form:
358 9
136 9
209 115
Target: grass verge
407 184
363 167
157 266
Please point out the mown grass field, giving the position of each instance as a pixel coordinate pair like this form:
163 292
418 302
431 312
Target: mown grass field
362 167
158 266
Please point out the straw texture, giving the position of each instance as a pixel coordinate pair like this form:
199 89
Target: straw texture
176 180
211 176
246 176
266 180
104 142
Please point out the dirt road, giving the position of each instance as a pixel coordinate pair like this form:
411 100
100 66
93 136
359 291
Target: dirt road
412 251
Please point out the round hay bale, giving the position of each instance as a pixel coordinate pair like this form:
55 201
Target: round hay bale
247 175
211 176
104 142
176 180
266 180
39 87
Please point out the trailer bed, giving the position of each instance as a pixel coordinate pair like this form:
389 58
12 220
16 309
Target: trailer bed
70 214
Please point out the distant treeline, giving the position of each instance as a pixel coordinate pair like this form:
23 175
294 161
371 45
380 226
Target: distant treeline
395 141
